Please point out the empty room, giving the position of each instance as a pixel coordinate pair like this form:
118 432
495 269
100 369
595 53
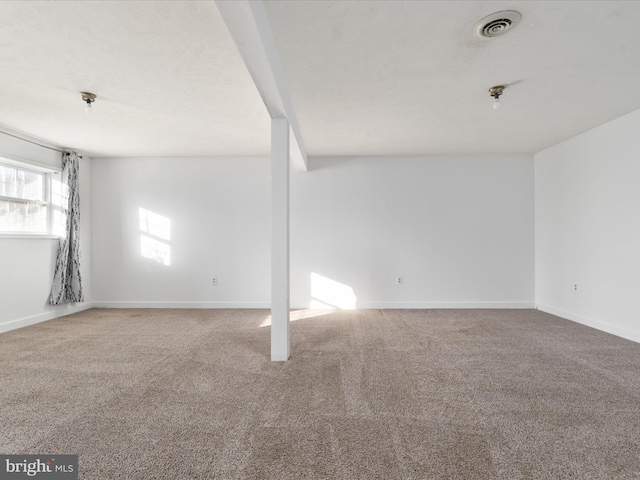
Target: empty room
277 239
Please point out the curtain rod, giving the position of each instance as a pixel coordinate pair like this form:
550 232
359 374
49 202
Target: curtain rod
36 143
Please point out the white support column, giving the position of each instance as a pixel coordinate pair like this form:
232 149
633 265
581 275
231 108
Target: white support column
279 240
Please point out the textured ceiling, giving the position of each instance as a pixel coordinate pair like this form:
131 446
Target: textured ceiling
366 77
410 77
169 79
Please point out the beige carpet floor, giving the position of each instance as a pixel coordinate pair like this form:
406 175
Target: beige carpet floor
406 394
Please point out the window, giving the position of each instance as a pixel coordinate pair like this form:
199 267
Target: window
24 199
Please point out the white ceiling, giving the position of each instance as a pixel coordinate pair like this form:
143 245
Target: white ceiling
389 77
167 74
366 77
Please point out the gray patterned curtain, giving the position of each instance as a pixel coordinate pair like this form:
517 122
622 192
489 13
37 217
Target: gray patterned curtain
67 282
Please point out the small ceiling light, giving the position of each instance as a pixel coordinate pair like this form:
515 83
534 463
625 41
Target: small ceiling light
495 92
88 98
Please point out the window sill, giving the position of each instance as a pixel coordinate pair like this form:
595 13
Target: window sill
31 236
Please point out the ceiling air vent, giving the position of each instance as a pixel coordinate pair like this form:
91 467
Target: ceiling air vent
497 23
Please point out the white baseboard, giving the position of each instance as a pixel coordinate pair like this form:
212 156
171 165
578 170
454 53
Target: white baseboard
445 305
57 312
434 305
591 322
110 304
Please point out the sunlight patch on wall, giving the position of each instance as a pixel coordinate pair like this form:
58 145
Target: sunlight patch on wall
154 237
327 293
327 296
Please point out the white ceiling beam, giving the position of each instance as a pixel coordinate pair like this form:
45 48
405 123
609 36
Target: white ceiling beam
248 24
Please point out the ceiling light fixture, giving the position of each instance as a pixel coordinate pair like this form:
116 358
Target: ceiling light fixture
495 92
88 98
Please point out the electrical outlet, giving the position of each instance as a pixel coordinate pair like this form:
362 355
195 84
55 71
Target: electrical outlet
575 287
399 280
214 281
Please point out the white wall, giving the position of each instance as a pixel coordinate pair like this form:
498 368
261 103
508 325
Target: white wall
27 264
588 227
457 229
220 220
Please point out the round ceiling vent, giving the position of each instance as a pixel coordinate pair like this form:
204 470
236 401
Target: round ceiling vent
497 23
